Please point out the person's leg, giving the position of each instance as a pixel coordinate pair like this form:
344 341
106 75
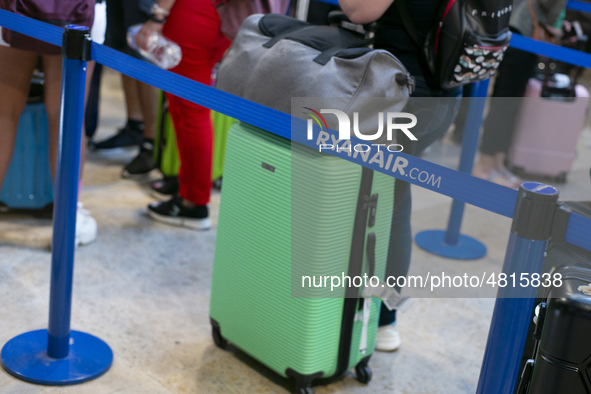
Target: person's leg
435 115
149 104
16 68
132 98
399 253
515 70
195 144
192 124
147 100
52 67
120 15
202 47
143 163
141 99
86 226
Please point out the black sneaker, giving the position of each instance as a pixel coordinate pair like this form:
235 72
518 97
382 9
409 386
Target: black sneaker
125 137
142 164
165 188
175 213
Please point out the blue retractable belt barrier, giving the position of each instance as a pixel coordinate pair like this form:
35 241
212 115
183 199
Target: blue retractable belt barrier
463 187
451 243
333 2
530 232
579 6
563 54
31 27
460 186
573 5
477 192
59 356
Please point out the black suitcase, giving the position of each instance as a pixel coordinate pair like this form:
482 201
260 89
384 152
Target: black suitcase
559 256
563 355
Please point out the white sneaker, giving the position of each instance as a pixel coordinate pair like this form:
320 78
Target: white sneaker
388 338
86 228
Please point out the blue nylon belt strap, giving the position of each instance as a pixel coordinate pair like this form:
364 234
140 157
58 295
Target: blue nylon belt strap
457 185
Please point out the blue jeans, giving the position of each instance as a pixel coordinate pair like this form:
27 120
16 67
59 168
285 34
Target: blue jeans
435 112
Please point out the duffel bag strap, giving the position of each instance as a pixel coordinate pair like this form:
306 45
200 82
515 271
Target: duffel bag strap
325 56
300 26
281 36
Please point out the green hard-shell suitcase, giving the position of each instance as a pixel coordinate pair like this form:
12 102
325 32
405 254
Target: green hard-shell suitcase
166 152
285 204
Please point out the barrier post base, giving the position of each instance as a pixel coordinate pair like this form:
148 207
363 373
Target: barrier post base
25 357
467 248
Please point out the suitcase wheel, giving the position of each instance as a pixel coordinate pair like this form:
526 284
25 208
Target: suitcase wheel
304 390
218 339
364 373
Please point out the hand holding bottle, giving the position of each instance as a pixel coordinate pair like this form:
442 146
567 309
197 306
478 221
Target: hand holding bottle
151 44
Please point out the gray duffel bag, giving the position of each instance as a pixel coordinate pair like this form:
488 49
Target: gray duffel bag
275 57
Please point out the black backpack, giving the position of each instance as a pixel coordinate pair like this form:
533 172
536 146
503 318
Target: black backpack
467 43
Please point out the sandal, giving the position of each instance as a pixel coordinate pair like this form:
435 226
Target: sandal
495 177
511 178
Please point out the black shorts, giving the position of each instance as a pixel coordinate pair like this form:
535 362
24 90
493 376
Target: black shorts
121 14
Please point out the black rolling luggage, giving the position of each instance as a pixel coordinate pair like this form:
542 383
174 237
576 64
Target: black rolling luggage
563 353
557 356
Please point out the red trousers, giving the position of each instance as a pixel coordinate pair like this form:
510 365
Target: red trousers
195 26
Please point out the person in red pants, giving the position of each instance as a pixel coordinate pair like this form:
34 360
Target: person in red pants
195 26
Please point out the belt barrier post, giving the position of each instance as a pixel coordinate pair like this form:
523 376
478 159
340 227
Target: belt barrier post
59 356
514 306
451 243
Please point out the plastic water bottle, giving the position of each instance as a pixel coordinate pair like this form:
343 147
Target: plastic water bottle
161 51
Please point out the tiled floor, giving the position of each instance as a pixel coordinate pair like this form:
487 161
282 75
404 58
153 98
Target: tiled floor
143 287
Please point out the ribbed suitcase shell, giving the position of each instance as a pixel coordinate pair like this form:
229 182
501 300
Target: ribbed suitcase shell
263 224
28 183
547 131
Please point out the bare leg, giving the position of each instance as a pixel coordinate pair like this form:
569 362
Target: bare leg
143 163
52 67
492 168
132 98
53 72
513 180
149 102
16 68
484 166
